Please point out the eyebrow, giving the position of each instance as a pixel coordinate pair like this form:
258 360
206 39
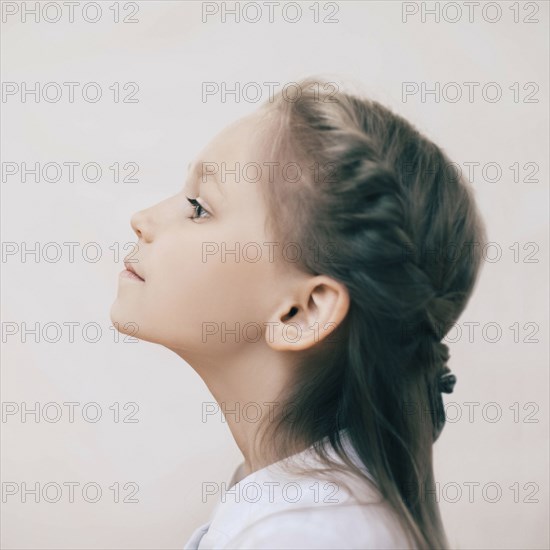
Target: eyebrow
198 174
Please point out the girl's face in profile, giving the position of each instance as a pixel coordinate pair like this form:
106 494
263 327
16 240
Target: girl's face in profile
199 281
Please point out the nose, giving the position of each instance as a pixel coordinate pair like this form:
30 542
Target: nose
149 222
142 225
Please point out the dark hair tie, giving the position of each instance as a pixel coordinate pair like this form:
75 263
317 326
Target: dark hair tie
445 383
447 380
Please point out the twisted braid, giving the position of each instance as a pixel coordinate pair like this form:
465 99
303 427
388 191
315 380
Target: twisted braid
380 203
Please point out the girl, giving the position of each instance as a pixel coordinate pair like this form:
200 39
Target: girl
317 255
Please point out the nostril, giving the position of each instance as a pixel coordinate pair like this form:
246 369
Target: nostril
135 223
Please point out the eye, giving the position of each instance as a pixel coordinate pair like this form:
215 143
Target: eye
198 209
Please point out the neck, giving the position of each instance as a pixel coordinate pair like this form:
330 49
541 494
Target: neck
247 387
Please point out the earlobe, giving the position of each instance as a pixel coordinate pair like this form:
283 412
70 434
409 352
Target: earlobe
319 308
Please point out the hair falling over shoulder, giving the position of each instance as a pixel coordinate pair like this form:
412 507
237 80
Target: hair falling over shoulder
390 207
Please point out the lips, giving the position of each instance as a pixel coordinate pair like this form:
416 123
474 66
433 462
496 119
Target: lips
130 268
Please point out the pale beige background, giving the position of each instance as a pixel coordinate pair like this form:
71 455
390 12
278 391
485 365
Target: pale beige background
170 451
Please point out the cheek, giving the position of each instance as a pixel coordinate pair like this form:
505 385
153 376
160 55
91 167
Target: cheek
190 289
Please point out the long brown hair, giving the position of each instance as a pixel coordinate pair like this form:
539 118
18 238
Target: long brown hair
380 208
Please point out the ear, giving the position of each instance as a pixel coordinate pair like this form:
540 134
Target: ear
320 305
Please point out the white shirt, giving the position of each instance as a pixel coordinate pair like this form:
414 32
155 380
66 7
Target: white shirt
277 509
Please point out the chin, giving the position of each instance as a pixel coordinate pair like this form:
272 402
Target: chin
128 323
122 321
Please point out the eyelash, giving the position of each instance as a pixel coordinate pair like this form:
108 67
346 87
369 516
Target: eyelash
196 205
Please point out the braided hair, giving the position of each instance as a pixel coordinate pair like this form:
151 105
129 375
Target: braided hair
380 208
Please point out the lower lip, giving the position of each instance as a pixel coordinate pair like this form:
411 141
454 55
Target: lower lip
130 275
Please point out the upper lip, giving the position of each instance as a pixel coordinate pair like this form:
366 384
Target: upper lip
130 267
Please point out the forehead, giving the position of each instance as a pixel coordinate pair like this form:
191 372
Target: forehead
238 142
228 157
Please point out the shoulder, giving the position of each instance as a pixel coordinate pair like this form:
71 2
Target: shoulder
344 526
300 511
280 507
